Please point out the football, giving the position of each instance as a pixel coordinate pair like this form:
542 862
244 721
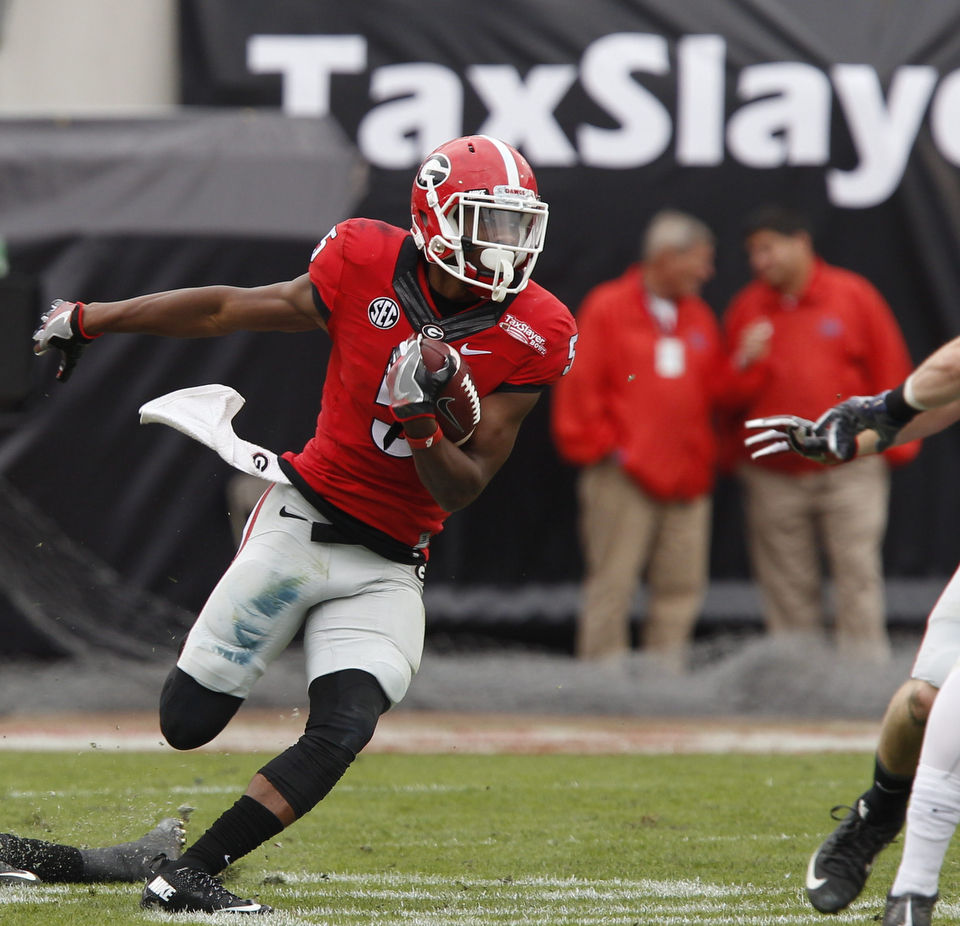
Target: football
458 405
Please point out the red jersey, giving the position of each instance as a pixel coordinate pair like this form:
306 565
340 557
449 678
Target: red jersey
838 338
370 285
658 424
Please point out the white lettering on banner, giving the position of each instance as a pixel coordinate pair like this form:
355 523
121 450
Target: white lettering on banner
425 109
523 110
784 116
945 117
882 133
306 63
700 86
790 121
605 72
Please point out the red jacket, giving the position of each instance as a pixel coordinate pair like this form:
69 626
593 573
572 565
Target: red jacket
838 339
613 401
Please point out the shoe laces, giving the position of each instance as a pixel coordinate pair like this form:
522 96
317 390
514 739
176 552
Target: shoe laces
856 842
210 884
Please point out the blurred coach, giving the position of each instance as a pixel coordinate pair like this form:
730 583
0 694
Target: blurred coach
636 412
833 336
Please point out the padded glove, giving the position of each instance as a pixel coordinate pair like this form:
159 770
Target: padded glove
61 328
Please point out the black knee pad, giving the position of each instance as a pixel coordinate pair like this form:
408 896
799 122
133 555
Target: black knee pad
344 709
190 714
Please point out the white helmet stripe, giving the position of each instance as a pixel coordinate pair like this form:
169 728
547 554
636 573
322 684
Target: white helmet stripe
513 173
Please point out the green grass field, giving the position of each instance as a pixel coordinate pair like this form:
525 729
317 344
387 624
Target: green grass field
471 840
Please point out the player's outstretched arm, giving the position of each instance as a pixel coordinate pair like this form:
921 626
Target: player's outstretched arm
204 311
207 311
925 403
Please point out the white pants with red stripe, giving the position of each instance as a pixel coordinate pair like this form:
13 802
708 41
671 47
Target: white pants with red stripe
358 610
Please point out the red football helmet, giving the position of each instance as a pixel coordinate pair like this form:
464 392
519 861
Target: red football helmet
476 213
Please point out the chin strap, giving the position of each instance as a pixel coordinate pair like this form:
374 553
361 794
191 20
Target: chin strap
499 261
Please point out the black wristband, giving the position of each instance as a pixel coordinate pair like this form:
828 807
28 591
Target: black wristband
898 408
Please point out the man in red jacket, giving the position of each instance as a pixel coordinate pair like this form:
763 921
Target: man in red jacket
833 335
636 411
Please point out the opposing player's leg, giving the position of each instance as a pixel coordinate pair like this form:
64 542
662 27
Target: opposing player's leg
10 876
29 860
839 868
932 816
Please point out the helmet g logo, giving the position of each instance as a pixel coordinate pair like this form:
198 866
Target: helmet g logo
434 171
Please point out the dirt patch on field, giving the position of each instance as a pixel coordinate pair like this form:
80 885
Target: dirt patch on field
435 732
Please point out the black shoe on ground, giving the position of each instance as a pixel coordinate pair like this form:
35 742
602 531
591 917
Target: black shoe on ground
189 889
839 868
909 910
11 875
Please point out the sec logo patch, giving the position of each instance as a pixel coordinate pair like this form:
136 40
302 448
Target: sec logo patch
383 312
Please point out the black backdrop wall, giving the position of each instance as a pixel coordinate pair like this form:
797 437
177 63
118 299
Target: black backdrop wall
851 111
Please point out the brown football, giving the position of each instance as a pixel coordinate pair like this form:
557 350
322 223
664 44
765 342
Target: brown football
458 405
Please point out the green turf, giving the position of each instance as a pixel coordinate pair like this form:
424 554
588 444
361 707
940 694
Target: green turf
471 840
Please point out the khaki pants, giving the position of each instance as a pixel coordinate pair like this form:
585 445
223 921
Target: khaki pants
838 513
625 532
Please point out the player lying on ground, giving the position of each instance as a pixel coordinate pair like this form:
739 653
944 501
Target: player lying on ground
923 767
338 548
27 861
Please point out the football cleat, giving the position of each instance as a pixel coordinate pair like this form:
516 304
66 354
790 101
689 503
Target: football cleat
838 869
11 875
908 910
177 890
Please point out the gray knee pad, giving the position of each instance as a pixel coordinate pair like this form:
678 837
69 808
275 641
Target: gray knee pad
344 709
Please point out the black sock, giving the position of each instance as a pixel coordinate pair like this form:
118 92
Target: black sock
888 797
238 831
47 860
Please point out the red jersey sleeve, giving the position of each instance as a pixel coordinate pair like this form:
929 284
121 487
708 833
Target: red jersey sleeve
543 323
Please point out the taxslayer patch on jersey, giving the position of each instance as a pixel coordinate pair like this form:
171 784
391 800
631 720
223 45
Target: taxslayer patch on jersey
524 333
383 312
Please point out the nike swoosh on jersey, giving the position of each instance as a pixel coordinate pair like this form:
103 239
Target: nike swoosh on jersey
469 351
289 514
813 882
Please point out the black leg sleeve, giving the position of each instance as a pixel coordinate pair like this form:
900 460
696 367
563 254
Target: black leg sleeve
344 709
190 714
49 861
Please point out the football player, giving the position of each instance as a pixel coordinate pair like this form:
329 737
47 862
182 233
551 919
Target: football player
28 861
911 762
340 551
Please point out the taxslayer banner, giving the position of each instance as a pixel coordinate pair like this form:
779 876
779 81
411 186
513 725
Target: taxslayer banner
852 110
849 110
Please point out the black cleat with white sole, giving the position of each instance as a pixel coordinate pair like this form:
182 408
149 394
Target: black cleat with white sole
177 890
11 875
838 870
909 910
